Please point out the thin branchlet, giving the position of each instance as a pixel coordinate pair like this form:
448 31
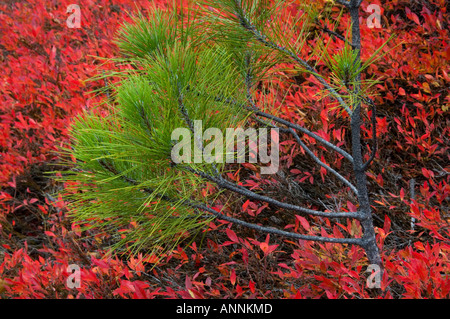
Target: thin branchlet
223 183
307 132
270 230
336 35
257 113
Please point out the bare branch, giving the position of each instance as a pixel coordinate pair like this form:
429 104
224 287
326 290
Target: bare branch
269 230
307 132
318 161
290 130
336 35
299 141
274 118
266 123
223 183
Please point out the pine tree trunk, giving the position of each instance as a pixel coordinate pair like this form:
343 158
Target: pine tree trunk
369 238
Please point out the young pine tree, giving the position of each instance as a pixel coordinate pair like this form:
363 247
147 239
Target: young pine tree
207 63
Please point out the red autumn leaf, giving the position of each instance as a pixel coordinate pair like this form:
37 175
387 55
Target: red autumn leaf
100 263
188 282
251 286
260 209
13 183
49 233
387 224
266 248
139 289
412 16
351 207
233 277
136 264
303 222
402 194
126 287
232 235
427 173
245 205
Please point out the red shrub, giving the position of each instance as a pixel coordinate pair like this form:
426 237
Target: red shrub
44 66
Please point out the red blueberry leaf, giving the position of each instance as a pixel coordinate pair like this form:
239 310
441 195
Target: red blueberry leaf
232 235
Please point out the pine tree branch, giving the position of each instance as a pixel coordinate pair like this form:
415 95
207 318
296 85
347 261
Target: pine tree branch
270 230
203 207
355 3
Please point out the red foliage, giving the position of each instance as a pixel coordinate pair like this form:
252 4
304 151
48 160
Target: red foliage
44 66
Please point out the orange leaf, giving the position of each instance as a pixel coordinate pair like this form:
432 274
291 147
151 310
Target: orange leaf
233 277
402 194
426 87
266 248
